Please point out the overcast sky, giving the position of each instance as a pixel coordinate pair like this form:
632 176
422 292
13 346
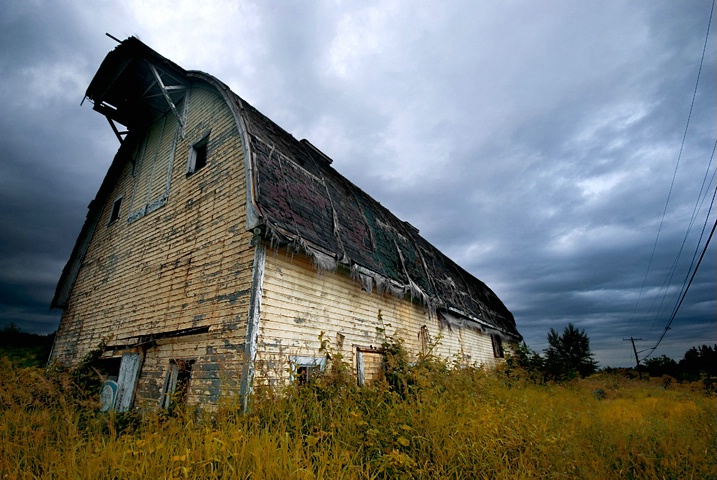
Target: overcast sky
534 142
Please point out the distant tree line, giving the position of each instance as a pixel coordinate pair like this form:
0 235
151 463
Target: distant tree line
568 356
698 363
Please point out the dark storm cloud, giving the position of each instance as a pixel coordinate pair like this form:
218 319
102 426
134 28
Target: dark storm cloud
533 143
52 158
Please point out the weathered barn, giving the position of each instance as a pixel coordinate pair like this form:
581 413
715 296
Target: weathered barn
219 248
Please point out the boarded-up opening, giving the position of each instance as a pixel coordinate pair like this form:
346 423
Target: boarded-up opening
425 337
127 380
369 365
153 167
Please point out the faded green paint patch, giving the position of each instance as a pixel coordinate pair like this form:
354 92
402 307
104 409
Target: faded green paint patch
232 298
231 323
231 346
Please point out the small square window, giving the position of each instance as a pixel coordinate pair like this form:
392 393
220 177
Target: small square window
306 373
198 156
306 368
116 208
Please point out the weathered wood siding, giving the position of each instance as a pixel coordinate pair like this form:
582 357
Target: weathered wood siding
215 373
185 263
300 303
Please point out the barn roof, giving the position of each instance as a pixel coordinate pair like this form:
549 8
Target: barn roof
301 201
305 202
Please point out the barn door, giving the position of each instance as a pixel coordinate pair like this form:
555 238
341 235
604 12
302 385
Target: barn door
369 365
127 380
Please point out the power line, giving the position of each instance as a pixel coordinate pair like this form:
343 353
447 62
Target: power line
684 294
668 280
685 285
673 269
699 241
679 157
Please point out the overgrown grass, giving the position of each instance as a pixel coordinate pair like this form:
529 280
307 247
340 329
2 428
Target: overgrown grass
430 422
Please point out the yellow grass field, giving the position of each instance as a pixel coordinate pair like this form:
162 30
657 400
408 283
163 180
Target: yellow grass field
435 422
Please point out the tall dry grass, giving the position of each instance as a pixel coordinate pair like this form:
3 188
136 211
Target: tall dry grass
430 421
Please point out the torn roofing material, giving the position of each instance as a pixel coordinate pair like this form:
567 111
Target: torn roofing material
303 202
306 203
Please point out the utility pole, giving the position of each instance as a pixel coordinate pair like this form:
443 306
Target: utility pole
637 359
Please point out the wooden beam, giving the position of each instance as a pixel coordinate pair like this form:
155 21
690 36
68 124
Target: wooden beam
166 95
118 134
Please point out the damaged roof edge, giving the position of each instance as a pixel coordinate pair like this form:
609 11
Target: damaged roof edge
368 278
117 60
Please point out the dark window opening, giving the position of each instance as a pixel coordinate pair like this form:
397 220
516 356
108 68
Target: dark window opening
305 373
116 207
200 160
497 346
176 383
109 368
306 368
198 156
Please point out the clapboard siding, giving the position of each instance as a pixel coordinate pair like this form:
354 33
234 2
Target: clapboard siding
185 265
216 357
299 303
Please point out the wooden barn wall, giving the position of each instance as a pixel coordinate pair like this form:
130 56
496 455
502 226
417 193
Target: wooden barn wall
185 264
300 303
215 369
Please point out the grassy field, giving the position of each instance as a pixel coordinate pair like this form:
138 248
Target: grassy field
434 422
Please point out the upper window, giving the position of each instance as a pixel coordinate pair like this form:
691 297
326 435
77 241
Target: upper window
116 208
197 156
